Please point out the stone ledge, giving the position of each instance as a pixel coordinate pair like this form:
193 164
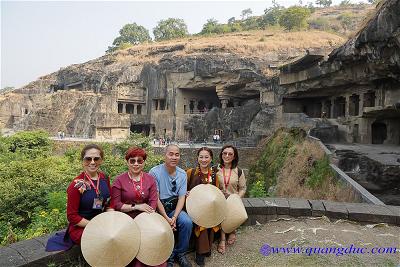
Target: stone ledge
283 207
260 210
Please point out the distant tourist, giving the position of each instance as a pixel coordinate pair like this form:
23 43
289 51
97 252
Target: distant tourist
172 186
88 194
203 174
233 181
135 191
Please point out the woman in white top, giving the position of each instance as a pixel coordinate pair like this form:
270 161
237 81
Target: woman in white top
232 180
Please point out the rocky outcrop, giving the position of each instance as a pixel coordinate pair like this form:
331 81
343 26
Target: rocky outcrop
371 56
80 99
383 180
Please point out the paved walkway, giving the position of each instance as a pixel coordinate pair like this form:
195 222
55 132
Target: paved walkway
386 154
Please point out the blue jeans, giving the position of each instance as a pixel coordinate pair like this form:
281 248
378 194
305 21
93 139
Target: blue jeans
184 227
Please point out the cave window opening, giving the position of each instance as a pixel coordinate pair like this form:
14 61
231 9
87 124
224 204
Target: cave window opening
201 106
340 106
230 104
120 107
26 111
139 109
162 104
184 109
130 108
155 104
369 99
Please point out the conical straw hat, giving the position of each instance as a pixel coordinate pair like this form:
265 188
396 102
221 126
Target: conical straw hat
157 238
236 214
110 239
206 205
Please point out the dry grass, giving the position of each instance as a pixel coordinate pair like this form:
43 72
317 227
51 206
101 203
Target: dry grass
292 178
251 44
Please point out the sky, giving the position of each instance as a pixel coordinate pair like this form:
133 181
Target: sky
40 37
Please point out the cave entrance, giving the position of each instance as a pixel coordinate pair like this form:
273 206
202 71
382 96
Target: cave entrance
140 128
379 132
197 100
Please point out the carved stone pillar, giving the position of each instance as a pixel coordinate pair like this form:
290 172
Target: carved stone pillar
123 107
361 105
224 103
347 106
135 109
332 108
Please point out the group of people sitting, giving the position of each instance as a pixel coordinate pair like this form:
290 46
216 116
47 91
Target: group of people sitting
164 189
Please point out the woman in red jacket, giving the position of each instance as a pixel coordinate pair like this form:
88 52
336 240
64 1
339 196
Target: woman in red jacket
135 191
88 194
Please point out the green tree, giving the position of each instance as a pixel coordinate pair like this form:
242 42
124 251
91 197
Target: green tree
345 3
294 18
324 3
130 34
246 13
6 89
272 14
231 20
210 26
169 29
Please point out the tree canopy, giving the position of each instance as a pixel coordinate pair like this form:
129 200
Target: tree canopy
294 18
169 29
130 34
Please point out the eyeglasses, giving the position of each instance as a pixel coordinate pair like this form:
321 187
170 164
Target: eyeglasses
88 160
173 185
227 153
132 161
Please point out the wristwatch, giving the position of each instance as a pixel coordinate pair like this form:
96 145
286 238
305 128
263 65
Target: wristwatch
133 206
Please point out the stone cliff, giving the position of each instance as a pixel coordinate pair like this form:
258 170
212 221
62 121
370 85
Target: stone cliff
186 90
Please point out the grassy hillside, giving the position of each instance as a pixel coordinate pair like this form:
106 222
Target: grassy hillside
292 166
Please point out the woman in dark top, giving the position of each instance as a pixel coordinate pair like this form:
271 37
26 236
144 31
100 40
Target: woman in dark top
203 174
88 194
135 191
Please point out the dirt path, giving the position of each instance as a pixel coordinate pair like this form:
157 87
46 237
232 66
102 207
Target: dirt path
311 233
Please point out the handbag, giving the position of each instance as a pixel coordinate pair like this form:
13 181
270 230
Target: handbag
169 203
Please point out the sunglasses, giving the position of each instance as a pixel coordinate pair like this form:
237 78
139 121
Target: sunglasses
173 186
132 161
88 160
227 153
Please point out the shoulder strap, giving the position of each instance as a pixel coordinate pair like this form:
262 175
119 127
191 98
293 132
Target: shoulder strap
214 175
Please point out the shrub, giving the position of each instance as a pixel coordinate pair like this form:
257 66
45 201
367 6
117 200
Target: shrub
258 189
320 172
294 18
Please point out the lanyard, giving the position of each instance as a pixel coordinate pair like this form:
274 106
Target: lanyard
96 188
229 177
208 175
138 191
